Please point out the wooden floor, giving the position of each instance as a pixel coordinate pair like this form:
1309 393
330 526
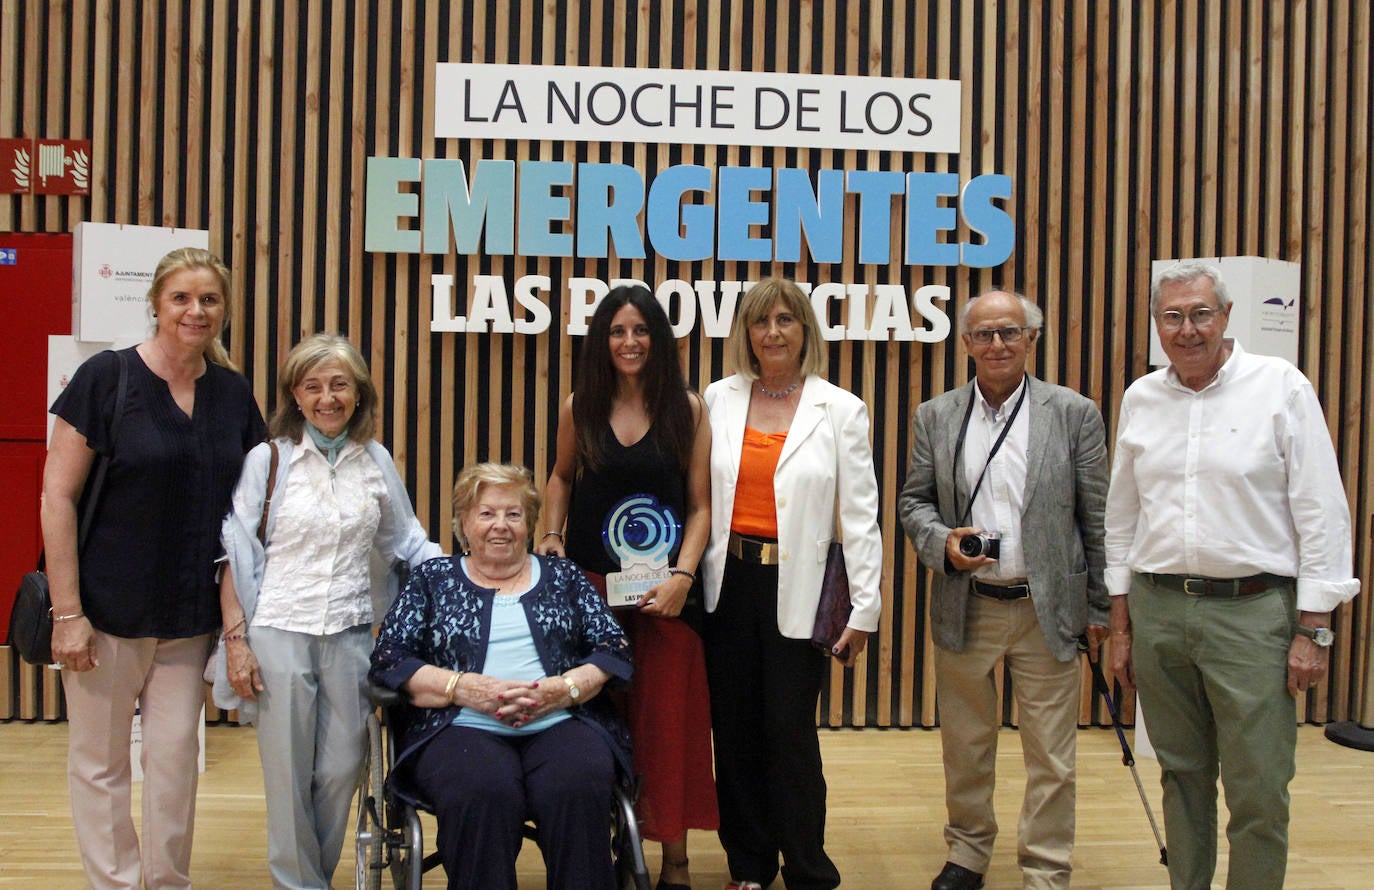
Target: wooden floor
886 813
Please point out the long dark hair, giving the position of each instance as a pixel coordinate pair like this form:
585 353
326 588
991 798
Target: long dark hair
665 390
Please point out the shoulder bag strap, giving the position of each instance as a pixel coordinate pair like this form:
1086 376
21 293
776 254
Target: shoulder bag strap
267 501
103 461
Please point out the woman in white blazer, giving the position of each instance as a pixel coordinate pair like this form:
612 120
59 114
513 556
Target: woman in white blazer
790 460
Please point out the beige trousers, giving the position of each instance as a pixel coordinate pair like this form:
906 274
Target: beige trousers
1046 693
164 676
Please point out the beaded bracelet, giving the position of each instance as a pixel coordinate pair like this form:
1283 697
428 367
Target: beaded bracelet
241 635
677 571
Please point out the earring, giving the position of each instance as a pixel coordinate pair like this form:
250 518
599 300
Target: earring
298 408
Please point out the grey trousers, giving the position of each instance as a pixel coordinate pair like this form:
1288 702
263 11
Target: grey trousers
312 741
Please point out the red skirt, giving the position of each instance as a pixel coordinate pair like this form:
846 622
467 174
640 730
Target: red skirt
668 711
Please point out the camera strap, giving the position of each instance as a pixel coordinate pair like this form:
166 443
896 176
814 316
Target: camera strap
992 452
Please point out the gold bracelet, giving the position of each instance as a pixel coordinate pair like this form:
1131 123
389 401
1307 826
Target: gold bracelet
1121 633
72 617
452 686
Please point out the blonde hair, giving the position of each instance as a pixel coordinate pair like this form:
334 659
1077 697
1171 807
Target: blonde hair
301 360
469 486
754 305
182 259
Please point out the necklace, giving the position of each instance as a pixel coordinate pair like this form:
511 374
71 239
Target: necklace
779 395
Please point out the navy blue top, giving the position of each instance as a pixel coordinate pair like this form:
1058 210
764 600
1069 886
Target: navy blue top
148 566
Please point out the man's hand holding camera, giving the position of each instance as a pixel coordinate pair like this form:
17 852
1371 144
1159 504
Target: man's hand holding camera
968 548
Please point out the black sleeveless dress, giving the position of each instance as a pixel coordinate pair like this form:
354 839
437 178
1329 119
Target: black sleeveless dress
669 710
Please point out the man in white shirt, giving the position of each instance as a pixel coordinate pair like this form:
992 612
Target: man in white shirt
1027 460
1228 545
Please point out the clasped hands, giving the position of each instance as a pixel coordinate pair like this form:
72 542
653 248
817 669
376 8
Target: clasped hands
515 702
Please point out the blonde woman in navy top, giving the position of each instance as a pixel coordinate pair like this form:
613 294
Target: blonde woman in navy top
134 611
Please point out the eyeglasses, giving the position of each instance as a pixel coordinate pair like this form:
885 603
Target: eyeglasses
1009 334
1202 317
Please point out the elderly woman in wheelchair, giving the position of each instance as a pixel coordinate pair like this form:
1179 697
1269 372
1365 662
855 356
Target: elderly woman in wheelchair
501 655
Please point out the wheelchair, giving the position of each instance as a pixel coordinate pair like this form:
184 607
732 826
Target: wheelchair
390 837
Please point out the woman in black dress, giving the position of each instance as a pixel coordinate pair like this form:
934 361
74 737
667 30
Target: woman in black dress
632 476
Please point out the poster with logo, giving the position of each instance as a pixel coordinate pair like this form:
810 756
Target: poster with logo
112 269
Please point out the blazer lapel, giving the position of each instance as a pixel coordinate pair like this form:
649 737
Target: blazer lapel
1039 436
810 414
950 441
736 412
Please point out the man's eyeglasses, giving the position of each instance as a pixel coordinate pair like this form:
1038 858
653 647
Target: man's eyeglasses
983 336
1202 317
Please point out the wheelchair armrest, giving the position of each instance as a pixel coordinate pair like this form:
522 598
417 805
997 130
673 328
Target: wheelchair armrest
384 696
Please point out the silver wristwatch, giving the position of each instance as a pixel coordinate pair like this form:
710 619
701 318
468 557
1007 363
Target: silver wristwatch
1322 636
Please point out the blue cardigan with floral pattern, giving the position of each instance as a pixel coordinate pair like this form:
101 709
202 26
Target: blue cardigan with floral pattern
443 617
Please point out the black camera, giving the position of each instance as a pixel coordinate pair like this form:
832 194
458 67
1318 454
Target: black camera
989 545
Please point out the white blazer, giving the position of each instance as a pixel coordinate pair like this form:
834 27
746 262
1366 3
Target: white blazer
827 450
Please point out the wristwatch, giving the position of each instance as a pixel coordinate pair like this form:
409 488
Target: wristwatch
1322 636
574 693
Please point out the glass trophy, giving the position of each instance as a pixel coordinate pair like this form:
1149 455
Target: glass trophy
642 535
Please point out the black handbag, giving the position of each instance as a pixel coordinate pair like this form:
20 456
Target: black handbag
31 615
31 619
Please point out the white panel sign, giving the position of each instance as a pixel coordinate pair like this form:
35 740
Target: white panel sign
1264 305
65 355
112 268
660 105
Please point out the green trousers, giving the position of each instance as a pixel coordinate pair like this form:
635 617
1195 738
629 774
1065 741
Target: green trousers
1212 674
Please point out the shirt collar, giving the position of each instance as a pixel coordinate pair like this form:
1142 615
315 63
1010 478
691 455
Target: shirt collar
1224 373
990 413
307 444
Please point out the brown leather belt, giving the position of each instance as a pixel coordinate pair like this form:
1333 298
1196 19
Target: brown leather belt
1000 592
759 551
1220 587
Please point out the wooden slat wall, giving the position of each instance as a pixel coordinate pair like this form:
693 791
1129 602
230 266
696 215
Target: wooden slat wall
1132 131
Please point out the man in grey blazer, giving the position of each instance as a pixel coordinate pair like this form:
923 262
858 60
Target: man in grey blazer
1025 460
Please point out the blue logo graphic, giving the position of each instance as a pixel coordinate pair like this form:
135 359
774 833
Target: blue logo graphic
9 256
641 531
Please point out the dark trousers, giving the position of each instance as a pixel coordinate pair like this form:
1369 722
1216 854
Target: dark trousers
768 759
484 786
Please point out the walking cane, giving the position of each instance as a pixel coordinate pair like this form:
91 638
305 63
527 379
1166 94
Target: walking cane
1127 758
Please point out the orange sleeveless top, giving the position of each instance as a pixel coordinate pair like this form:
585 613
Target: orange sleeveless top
756 513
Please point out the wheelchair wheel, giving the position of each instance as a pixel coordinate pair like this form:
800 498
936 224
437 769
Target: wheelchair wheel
371 835
631 872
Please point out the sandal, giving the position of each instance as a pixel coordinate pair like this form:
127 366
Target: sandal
665 885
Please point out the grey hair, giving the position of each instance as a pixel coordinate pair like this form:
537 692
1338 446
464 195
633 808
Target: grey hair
1187 270
1034 317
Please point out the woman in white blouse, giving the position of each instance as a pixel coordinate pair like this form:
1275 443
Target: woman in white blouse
297 598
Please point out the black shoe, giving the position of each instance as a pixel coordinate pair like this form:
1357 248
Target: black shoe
956 877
